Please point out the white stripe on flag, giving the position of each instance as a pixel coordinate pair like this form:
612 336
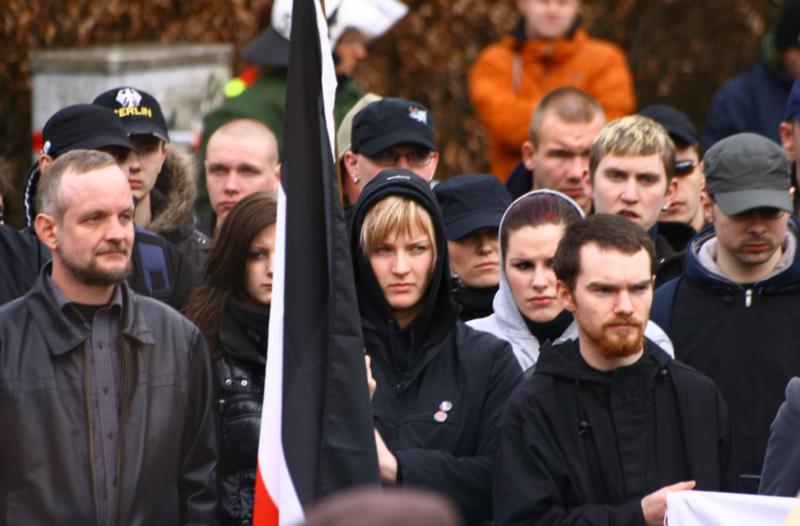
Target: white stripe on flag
271 460
707 508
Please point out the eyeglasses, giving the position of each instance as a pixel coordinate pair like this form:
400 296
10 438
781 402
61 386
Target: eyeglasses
415 158
763 213
685 167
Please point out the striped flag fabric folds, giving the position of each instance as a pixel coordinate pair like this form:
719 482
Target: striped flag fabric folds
316 427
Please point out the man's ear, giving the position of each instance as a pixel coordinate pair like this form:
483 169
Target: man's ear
278 172
351 163
46 230
708 210
565 296
672 191
44 161
787 139
528 150
434 163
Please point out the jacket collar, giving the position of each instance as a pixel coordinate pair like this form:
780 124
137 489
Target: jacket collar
63 335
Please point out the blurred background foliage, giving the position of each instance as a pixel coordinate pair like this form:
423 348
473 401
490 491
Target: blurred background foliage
680 51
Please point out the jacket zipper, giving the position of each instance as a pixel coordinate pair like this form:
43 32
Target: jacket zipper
92 467
123 413
748 297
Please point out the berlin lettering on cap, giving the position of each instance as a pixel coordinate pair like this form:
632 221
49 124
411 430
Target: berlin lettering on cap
139 111
746 171
389 122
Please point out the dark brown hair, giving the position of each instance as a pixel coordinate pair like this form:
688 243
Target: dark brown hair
607 231
225 268
541 207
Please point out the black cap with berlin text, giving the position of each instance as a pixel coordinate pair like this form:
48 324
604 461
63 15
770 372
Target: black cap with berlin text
389 122
139 111
83 126
471 202
747 171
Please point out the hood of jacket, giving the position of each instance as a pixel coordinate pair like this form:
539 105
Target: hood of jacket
439 311
700 267
509 320
173 195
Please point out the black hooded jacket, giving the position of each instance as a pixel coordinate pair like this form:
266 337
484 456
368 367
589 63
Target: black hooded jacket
441 385
581 446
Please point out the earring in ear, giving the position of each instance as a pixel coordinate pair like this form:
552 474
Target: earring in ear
356 179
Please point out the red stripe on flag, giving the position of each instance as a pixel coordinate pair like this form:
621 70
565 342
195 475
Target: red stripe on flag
265 513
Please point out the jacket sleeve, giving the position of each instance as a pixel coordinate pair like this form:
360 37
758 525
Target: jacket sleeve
504 113
197 484
530 488
468 480
781 473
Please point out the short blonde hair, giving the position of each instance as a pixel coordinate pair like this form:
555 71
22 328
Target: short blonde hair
391 216
632 136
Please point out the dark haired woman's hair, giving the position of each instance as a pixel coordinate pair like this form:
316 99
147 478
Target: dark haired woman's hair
542 207
225 269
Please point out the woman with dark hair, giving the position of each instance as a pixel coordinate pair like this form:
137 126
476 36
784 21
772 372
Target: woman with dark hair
527 311
232 311
440 385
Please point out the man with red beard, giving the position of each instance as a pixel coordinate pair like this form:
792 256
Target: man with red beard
733 313
609 424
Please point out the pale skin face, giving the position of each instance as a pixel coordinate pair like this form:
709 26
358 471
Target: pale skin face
475 258
749 245
362 169
91 243
351 48
686 205
529 270
634 187
236 166
611 303
258 271
561 158
548 19
151 153
402 265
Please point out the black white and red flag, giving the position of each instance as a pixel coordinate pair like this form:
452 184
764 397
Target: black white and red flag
316 426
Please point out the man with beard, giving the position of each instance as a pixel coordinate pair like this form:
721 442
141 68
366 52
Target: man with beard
609 424
106 400
733 313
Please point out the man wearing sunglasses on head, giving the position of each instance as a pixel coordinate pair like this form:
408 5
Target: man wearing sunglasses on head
390 133
733 313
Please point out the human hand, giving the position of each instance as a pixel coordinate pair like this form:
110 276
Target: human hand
654 505
387 462
371 383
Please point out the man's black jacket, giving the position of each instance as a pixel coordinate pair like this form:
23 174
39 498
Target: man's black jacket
167 439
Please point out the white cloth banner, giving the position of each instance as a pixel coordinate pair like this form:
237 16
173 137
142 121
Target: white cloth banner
705 508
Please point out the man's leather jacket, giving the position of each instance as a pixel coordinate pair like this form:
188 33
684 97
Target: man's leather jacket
167 440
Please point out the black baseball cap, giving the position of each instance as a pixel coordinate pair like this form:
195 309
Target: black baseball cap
746 171
139 111
471 202
83 126
391 121
677 123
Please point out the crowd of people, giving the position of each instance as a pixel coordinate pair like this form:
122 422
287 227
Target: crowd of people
605 318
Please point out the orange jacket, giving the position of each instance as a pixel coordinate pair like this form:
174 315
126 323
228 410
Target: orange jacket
595 66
